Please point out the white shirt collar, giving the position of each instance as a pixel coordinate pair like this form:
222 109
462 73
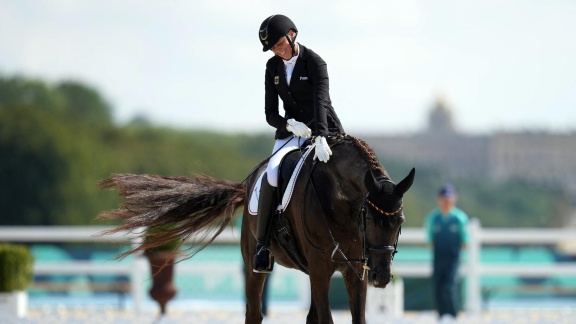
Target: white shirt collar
292 61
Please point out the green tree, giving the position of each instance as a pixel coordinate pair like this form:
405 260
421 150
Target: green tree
33 166
84 104
22 91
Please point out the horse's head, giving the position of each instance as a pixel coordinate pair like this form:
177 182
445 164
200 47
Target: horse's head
383 217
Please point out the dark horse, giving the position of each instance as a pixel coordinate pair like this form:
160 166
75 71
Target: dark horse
345 215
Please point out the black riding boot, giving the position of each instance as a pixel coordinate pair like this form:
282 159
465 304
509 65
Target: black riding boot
263 260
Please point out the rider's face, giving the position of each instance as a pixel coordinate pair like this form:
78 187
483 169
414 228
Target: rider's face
282 47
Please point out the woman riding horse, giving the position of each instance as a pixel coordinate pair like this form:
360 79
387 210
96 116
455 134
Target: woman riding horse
344 215
300 77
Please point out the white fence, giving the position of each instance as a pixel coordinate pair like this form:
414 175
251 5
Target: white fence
473 270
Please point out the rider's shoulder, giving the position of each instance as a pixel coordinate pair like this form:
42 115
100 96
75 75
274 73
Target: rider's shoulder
273 61
311 56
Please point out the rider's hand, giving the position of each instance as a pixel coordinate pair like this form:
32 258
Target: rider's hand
322 150
298 128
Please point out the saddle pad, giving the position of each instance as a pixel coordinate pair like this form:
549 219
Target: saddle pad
255 194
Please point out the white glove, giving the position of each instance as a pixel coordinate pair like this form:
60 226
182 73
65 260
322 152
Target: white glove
322 151
298 128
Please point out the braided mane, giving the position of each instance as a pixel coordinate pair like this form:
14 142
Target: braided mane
368 155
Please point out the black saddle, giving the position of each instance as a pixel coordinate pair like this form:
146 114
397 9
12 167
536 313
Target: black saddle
287 166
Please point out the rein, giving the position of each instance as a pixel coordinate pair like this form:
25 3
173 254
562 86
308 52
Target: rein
336 244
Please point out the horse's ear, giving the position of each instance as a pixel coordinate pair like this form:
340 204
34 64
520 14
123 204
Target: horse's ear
371 183
406 183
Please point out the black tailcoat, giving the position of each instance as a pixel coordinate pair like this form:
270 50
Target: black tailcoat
307 99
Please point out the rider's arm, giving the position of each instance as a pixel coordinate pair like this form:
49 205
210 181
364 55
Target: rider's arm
321 95
271 99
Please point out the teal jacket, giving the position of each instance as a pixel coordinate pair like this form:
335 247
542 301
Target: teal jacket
447 233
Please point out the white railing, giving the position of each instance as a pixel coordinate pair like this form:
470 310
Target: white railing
136 270
472 271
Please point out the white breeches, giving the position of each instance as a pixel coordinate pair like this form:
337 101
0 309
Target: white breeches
274 162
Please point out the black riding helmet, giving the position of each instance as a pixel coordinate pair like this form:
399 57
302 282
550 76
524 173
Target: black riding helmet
273 28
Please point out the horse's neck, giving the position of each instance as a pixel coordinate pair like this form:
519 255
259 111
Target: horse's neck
351 167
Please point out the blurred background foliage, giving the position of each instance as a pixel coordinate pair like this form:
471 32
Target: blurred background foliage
57 140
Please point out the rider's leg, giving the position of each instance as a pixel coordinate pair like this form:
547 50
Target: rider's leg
263 262
267 203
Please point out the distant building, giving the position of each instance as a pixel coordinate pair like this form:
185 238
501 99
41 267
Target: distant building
440 118
543 157
538 156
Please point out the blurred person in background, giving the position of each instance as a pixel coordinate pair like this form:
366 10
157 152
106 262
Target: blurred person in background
446 231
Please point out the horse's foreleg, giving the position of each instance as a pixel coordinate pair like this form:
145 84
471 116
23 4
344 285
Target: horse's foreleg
356 295
312 313
254 287
320 285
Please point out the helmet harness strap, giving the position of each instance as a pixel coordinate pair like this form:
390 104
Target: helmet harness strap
291 43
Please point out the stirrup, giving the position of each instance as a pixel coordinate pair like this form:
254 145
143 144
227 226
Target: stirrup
263 261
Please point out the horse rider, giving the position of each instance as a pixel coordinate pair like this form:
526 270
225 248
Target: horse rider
299 77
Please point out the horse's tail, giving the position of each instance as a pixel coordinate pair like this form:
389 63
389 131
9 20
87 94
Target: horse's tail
198 208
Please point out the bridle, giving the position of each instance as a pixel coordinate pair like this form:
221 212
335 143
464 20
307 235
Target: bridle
381 211
392 249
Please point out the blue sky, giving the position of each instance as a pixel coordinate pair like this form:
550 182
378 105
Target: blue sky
502 65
